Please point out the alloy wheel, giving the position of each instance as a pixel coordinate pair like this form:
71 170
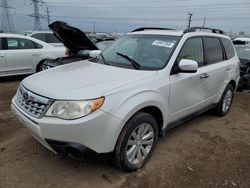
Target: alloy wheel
227 100
140 143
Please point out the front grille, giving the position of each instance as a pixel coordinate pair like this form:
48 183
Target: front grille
32 103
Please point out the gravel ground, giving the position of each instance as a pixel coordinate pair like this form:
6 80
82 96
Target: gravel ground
207 151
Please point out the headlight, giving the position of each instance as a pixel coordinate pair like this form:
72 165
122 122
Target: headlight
74 109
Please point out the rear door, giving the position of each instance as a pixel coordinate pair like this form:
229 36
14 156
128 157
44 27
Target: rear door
217 67
188 90
2 59
21 55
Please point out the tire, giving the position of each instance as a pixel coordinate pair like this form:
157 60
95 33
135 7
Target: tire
39 66
131 155
226 101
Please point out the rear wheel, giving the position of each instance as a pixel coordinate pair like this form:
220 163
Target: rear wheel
136 142
226 101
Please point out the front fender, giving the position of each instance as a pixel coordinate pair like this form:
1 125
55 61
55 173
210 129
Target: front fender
124 106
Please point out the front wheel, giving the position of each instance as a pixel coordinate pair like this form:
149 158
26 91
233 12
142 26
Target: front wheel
226 101
41 66
136 142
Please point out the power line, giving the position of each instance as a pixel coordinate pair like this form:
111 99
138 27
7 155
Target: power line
7 23
105 3
154 5
150 18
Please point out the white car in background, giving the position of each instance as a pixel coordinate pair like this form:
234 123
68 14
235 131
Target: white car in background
46 36
24 55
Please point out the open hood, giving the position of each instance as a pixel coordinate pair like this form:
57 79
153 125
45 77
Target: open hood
74 39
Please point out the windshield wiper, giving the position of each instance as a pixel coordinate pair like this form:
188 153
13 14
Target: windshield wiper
133 62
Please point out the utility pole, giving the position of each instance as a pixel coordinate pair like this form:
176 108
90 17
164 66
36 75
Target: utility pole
37 16
189 19
7 23
204 21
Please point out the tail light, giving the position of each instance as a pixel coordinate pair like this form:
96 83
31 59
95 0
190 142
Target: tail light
67 53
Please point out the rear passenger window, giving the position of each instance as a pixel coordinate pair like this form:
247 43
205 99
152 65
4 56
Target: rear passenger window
1 47
50 38
192 49
228 48
39 36
37 46
213 50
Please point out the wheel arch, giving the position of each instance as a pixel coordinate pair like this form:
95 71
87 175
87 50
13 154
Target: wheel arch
220 92
233 83
145 100
156 113
40 62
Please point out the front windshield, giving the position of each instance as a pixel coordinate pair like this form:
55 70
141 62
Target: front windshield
103 44
151 52
243 52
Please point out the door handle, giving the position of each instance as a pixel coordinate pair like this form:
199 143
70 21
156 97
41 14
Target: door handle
35 54
227 69
1 55
204 76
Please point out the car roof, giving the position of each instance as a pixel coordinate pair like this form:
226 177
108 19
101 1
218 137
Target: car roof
13 35
177 33
158 32
45 31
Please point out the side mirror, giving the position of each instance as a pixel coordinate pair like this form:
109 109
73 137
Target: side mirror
188 66
94 53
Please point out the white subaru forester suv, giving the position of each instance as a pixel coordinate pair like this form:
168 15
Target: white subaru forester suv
122 100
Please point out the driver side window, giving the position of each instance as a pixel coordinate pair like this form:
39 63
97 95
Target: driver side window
193 50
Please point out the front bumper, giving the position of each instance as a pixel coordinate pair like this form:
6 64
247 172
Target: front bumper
97 131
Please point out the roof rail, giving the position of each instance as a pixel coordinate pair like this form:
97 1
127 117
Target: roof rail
193 29
150 28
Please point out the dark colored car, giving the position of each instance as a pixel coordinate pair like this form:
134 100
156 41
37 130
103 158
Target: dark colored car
76 42
243 52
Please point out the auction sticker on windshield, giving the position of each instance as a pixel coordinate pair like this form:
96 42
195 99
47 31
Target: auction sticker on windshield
166 44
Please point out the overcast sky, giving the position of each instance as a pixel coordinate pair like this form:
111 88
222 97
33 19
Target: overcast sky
125 15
